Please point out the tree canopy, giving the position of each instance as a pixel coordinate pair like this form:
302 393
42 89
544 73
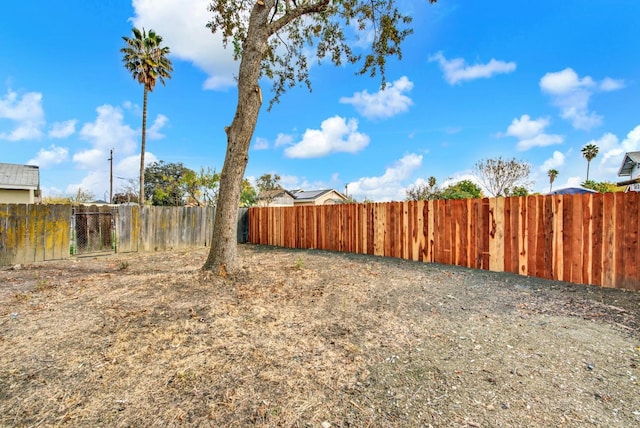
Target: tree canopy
429 190
501 177
165 183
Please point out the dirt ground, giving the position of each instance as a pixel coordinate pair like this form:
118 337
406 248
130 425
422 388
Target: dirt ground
311 339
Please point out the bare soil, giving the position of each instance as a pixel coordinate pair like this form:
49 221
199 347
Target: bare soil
311 339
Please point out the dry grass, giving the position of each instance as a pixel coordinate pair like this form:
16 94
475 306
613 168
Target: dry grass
302 338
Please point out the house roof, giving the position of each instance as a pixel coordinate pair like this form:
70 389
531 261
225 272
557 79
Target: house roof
572 191
271 194
13 176
629 161
311 195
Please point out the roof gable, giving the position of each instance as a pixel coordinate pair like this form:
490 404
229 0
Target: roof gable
15 176
630 160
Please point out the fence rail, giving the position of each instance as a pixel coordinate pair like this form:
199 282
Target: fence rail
590 239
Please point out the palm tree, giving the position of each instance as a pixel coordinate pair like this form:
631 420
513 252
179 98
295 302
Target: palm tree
589 152
147 61
552 173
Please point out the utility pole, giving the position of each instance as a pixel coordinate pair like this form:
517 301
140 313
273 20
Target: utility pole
111 176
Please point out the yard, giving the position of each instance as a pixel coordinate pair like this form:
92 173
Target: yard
311 339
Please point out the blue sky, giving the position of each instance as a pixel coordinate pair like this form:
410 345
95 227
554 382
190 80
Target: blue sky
531 80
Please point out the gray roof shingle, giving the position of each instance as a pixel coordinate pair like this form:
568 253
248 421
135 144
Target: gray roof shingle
13 176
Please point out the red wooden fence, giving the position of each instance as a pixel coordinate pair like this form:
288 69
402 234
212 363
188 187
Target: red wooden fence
588 239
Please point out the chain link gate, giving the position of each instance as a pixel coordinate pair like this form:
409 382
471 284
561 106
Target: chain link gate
92 229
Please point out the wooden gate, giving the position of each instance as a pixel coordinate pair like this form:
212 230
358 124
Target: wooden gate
93 230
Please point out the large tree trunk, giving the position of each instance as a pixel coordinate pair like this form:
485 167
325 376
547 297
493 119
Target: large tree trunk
223 252
143 145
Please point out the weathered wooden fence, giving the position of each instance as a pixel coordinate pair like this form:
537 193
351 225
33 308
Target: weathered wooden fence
163 228
33 233
590 239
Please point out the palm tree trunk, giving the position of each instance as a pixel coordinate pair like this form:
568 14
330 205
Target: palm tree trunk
223 253
588 164
143 145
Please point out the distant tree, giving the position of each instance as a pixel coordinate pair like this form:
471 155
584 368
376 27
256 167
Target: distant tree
552 173
267 186
350 200
165 183
518 191
275 39
81 196
499 177
201 187
125 197
147 62
248 194
589 152
601 186
423 191
464 189
127 192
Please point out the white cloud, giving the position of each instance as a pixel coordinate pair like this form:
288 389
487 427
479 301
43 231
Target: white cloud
564 82
153 132
260 144
27 113
574 181
47 157
89 159
109 131
336 135
541 140
385 103
530 133
94 181
571 94
284 140
63 129
612 150
293 182
389 186
182 25
554 162
524 127
457 70
609 84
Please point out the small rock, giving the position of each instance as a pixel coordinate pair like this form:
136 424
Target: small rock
326 424
490 407
17 267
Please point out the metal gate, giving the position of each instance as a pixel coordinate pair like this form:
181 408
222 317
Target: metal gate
92 230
